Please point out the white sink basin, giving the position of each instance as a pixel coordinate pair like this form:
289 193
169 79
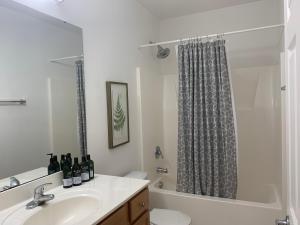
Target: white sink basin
66 209
69 211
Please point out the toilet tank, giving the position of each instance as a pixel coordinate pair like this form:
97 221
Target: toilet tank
137 175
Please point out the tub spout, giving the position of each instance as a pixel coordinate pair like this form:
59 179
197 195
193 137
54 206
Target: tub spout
286 221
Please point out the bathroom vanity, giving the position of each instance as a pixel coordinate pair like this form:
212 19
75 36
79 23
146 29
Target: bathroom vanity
135 211
106 200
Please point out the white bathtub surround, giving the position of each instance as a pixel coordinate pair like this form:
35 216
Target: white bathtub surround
110 193
258 104
213 211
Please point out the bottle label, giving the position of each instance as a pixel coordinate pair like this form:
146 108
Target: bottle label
67 182
85 176
77 180
91 173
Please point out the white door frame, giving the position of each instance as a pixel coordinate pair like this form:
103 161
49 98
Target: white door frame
291 99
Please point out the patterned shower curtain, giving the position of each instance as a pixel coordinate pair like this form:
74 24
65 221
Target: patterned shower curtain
81 107
206 132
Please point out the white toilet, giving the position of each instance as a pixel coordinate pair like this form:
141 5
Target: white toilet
162 216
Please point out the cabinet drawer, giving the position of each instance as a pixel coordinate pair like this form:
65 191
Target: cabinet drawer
144 220
139 204
120 217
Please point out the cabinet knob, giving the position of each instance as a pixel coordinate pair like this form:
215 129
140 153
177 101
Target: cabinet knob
142 204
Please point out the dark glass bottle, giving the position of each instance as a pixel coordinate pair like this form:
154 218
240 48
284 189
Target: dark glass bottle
56 164
76 173
67 176
69 159
85 170
51 167
91 164
62 161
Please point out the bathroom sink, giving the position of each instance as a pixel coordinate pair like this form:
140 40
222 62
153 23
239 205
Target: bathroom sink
69 211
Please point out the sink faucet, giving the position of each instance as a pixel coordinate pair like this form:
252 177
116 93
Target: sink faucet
39 197
14 182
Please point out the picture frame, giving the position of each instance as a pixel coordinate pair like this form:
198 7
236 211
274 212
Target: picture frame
117 114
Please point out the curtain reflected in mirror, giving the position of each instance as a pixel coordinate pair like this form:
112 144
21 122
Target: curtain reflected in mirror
81 107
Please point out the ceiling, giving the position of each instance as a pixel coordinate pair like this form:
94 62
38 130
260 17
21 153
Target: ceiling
173 8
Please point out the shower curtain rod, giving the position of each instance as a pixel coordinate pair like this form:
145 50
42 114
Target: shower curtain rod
212 35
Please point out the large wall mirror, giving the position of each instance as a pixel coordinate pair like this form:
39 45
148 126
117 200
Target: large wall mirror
42 104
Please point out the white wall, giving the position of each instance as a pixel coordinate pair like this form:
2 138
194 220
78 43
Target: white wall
246 49
151 89
291 99
62 92
112 32
237 17
27 44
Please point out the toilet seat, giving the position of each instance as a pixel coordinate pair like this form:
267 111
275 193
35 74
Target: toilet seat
168 217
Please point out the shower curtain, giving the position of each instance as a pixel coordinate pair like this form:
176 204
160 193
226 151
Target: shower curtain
206 132
81 107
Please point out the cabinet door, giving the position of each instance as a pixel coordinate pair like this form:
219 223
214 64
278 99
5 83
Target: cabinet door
144 220
138 205
120 217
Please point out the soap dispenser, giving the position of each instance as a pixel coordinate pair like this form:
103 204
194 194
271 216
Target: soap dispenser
51 167
56 163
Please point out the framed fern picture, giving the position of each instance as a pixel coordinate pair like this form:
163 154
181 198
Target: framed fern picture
117 113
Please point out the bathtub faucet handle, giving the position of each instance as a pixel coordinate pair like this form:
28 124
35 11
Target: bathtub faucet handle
158 153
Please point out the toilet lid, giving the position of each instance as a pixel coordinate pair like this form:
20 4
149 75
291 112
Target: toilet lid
168 217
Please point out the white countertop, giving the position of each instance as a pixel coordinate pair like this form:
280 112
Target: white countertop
111 191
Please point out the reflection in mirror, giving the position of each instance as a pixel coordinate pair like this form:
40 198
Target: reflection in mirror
42 105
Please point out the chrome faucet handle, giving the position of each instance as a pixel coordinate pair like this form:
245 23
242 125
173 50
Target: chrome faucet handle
14 182
39 198
39 190
158 153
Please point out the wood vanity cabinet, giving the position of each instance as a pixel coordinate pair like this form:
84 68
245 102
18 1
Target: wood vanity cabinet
133 212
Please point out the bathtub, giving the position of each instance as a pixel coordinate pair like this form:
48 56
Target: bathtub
258 208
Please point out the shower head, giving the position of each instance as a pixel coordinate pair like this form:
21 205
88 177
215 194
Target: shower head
162 53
